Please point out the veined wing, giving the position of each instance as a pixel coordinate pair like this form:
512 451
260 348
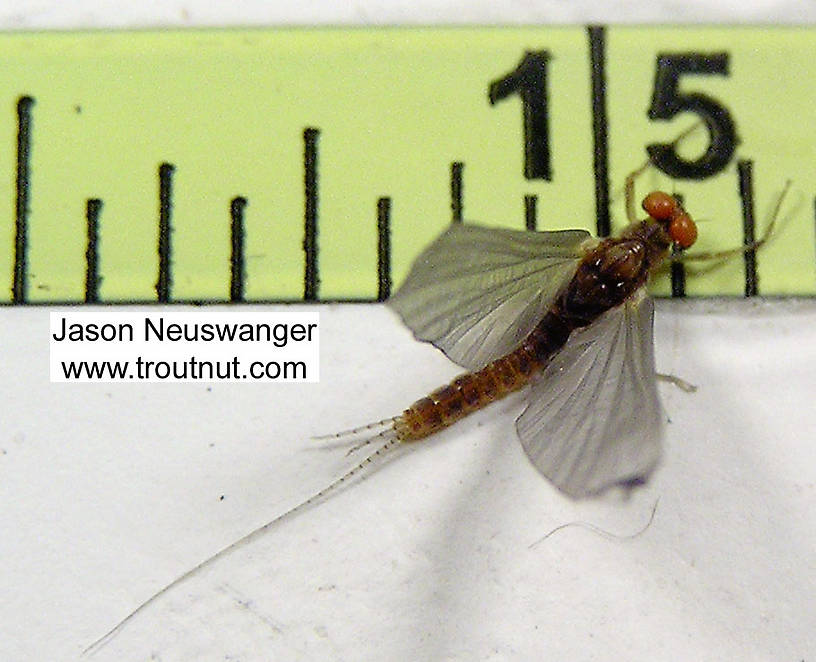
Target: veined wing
477 292
594 418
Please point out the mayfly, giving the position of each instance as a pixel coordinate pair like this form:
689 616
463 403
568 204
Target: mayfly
558 312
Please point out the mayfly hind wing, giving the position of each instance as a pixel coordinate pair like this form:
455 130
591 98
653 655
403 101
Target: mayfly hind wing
593 418
476 292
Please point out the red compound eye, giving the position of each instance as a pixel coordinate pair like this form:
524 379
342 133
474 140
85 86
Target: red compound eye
660 206
683 230
664 208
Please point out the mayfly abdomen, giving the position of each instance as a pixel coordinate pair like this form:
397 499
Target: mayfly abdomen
474 390
465 394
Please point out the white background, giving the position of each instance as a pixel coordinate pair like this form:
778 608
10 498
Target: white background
108 492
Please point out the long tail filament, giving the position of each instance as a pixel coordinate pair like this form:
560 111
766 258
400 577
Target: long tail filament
388 436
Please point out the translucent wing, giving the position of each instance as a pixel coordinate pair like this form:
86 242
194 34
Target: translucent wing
594 418
477 292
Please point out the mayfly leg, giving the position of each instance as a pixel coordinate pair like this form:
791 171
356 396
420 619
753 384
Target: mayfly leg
679 382
391 442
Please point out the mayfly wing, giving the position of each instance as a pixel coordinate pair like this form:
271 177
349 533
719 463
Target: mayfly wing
594 419
476 292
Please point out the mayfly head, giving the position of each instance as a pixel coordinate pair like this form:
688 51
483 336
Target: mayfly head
666 210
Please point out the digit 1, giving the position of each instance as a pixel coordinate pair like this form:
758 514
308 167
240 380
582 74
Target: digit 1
529 79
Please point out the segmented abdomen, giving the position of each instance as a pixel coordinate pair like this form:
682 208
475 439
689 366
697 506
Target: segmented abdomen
475 390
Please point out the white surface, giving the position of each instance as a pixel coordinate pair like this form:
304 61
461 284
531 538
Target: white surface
111 491
56 14
108 492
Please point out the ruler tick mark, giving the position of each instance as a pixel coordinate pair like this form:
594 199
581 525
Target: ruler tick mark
677 269
19 288
678 277
237 207
92 210
457 204
745 170
311 275
164 281
597 54
383 249
530 208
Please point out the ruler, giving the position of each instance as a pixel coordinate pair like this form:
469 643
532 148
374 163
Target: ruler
314 164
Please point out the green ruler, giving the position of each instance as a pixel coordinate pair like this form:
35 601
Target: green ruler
314 164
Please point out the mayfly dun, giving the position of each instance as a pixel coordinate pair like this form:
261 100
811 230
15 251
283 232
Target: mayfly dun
560 313
563 313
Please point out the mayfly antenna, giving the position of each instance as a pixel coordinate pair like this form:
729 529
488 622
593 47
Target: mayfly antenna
754 245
